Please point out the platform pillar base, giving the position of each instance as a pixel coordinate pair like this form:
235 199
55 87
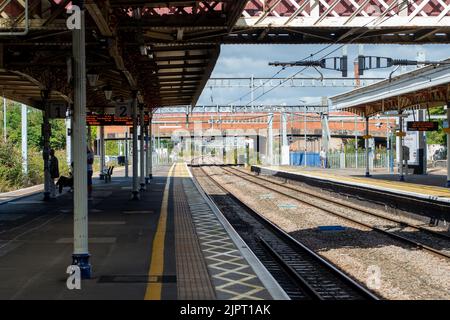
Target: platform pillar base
46 196
135 195
368 175
82 261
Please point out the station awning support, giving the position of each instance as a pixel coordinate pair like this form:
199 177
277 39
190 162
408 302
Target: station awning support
270 140
148 166
448 144
81 253
142 149
135 192
46 140
400 120
102 149
366 140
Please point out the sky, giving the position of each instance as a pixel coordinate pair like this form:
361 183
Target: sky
248 60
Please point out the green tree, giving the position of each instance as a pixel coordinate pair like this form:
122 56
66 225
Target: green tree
437 137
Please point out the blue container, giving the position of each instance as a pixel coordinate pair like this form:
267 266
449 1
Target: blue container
298 159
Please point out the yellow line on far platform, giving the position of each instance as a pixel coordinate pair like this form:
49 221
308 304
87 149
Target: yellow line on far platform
156 270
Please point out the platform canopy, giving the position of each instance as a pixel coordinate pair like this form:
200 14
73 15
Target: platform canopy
421 88
167 49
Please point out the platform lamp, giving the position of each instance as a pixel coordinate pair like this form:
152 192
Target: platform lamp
107 90
92 78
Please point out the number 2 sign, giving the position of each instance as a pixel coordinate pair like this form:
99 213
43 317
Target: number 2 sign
123 109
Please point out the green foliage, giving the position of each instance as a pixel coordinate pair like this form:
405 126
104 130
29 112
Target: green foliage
14 128
11 175
112 148
437 137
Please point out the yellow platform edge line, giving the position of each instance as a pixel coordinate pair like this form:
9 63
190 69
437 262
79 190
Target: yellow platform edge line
411 187
154 289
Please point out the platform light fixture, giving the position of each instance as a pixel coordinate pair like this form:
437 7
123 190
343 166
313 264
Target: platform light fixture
107 90
92 79
143 50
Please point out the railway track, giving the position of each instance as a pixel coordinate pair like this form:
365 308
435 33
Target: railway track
429 236
301 272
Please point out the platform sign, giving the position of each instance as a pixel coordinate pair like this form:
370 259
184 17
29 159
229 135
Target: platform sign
422 126
58 110
93 119
123 109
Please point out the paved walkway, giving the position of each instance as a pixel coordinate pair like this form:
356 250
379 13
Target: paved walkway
168 245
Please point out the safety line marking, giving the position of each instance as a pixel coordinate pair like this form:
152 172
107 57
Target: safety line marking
154 289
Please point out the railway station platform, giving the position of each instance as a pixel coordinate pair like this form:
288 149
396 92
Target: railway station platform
171 244
419 186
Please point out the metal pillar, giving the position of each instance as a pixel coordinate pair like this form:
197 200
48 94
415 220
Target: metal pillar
270 139
235 151
102 149
247 151
284 145
80 254
46 131
224 149
304 128
367 148
135 192
150 150
402 177
257 148
356 142
24 139
68 139
388 146
5 133
126 154
448 144
142 148
147 152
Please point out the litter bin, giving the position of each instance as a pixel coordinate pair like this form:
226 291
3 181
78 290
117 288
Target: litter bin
121 160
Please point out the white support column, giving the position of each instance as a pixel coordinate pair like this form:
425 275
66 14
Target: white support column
46 131
24 139
142 149
270 140
135 192
366 140
305 137
150 149
68 139
402 177
356 142
126 154
448 145
80 202
285 144
102 148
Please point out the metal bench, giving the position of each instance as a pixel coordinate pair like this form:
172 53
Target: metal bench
107 174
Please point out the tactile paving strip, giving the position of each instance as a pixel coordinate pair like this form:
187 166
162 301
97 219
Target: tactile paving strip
193 280
232 276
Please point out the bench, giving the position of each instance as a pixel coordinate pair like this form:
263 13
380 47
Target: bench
107 174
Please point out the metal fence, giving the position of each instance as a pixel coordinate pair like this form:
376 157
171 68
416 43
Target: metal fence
354 160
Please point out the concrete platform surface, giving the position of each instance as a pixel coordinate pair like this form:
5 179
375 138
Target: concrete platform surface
421 186
168 245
